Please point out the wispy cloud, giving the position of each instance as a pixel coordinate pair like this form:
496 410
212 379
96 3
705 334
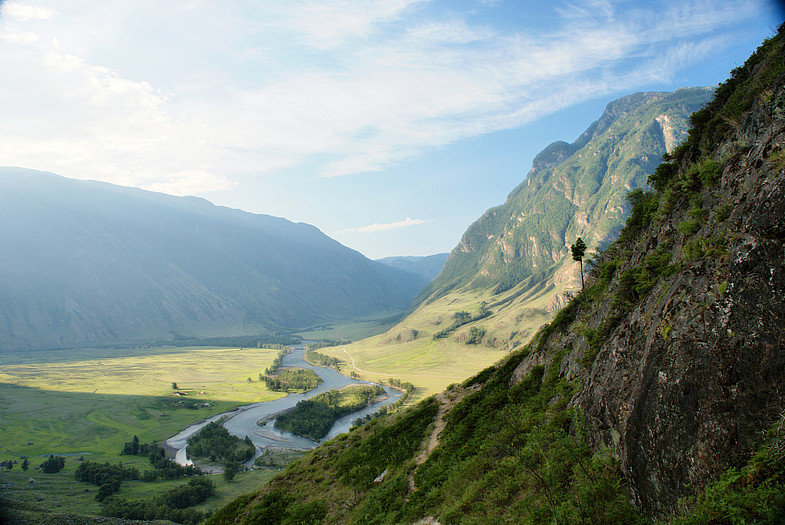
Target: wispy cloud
376 227
25 11
183 98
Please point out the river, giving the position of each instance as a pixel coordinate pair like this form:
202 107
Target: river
244 421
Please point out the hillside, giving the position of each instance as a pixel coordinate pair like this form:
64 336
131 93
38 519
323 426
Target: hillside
516 257
663 376
89 263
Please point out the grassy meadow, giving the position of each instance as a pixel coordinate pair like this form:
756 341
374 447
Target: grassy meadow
88 403
409 352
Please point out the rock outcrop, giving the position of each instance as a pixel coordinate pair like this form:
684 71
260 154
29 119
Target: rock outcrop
687 345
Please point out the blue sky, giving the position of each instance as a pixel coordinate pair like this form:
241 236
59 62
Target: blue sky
389 124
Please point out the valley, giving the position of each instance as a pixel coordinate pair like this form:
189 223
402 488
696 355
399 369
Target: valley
511 381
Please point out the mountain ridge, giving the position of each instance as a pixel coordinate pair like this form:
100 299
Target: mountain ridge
104 264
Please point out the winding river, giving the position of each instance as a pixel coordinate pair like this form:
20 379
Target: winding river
244 420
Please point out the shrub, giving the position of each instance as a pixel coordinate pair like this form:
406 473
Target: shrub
53 464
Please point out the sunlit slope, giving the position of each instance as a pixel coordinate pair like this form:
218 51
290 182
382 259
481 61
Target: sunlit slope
516 257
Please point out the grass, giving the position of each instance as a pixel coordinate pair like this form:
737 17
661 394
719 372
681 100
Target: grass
431 365
87 403
60 493
223 372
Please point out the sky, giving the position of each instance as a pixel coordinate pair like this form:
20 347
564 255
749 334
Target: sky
391 125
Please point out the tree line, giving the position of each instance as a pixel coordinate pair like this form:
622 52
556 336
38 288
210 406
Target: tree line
293 379
174 504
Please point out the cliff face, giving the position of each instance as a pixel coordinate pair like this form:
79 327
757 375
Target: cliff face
688 334
572 190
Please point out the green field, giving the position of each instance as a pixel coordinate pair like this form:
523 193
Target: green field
409 352
90 402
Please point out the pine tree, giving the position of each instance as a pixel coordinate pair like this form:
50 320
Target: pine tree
578 251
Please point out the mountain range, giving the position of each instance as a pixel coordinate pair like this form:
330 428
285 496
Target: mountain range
89 263
512 269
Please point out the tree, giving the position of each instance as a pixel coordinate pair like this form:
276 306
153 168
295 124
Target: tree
578 250
53 465
25 464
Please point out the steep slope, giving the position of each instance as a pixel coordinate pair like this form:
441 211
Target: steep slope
516 257
667 371
92 263
573 190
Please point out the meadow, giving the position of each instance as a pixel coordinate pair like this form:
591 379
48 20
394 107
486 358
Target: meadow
410 352
88 403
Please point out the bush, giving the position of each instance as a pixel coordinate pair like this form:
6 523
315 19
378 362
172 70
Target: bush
53 465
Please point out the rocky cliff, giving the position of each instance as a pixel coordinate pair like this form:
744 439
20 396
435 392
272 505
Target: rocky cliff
691 368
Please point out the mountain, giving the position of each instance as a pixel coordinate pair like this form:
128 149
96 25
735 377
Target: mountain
89 263
512 269
573 190
657 391
426 267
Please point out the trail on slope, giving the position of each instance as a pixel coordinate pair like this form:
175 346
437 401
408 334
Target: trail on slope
447 400
356 367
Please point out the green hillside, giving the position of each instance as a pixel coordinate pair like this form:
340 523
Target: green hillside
656 391
516 257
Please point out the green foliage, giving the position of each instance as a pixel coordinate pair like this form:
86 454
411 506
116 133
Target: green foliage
709 172
754 494
636 281
277 361
293 379
733 99
387 446
561 320
723 212
664 173
165 468
461 318
53 464
689 227
644 205
313 418
171 505
507 455
578 250
476 334
316 358
107 477
215 442
700 247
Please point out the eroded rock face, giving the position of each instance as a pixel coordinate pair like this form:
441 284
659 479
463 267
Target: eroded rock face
689 375
698 369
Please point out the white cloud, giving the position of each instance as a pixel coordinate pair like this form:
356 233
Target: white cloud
376 227
25 11
189 97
